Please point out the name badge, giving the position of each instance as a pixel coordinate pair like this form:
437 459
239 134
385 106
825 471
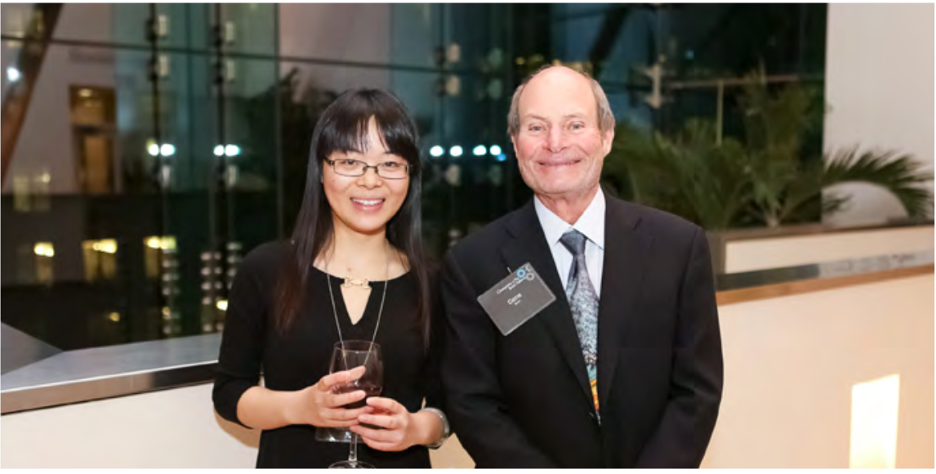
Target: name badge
516 299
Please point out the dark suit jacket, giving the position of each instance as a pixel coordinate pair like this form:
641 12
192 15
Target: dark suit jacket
523 400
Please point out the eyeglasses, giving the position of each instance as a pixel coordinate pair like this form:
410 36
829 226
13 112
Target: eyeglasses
355 168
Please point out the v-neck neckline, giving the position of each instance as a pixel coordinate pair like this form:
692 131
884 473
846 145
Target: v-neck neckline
344 303
342 308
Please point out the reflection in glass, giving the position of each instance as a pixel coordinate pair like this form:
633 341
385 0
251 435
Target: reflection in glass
159 253
44 252
177 135
100 259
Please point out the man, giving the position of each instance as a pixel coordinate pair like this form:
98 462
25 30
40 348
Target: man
624 367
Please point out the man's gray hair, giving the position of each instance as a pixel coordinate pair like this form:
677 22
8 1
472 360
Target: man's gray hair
605 116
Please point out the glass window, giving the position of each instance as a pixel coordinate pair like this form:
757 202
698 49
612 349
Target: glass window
156 154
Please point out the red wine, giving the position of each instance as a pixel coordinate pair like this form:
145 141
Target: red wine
370 390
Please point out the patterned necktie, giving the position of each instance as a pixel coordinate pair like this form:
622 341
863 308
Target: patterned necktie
584 303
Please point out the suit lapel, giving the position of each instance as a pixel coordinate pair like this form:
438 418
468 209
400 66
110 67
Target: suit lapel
529 245
626 258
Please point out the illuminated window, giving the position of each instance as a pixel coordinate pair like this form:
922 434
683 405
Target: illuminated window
22 201
93 112
100 257
44 253
159 254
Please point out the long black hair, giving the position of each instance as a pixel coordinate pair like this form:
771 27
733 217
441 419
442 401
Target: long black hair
343 127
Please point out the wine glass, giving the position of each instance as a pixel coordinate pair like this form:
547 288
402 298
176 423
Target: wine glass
346 356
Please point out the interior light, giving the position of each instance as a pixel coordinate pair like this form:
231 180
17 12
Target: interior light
874 423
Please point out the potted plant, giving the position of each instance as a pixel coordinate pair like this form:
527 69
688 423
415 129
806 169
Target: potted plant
766 177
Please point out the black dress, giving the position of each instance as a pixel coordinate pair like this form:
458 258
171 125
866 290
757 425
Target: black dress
301 357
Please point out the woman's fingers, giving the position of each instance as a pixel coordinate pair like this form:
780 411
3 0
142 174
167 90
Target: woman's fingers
341 423
388 422
380 436
341 414
342 399
380 446
340 378
389 405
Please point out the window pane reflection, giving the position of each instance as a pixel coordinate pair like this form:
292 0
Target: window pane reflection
163 142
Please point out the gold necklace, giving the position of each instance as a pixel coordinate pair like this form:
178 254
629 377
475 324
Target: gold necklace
383 298
362 283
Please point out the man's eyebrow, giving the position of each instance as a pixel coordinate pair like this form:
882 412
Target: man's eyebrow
564 117
534 117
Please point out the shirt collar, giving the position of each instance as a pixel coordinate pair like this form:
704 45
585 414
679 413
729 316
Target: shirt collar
591 223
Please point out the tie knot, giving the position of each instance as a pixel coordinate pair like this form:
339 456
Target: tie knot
574 241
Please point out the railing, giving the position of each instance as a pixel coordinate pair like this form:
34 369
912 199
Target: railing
105 372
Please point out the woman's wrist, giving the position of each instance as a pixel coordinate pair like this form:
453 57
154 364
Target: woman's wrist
424 427
289 407
439 429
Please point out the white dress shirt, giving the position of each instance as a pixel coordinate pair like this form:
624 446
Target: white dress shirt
591 224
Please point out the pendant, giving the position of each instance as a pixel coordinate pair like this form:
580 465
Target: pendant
358 282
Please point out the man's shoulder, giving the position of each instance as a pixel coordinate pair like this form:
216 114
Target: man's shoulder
487 238
658 222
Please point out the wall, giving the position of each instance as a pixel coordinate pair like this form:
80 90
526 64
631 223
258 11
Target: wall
766 253
879 84
791 362
167 429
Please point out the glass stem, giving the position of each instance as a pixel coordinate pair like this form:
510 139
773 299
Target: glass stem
352 456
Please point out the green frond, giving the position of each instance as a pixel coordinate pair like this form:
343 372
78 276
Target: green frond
763 179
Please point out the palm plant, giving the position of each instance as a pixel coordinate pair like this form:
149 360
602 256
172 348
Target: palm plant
765 179
687 174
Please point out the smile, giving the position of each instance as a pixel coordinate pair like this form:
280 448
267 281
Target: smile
367 202
559 163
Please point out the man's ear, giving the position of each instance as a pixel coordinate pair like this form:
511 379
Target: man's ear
608 140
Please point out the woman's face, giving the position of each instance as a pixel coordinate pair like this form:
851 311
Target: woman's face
364 204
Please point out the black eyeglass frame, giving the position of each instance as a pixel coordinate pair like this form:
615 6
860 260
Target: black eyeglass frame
366 167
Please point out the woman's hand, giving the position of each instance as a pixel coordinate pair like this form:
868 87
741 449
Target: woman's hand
318 405
401 429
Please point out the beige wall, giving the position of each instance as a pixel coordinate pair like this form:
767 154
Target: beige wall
879 85
790 364
762 254
166 429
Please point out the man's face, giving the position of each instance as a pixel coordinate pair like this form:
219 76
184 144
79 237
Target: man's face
559 147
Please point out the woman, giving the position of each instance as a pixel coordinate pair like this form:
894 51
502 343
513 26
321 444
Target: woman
359 225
